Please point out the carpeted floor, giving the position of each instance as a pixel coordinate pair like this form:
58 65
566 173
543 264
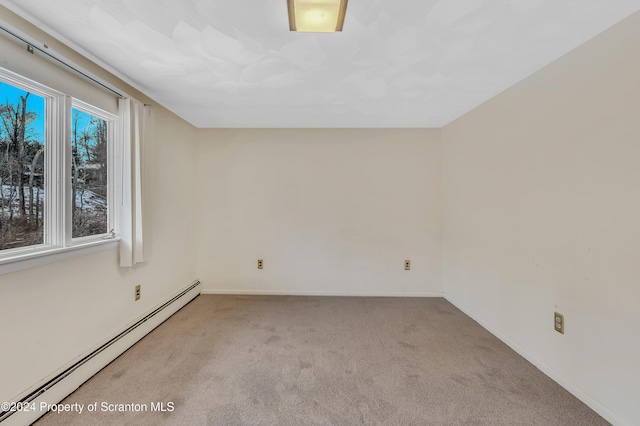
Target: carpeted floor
248 360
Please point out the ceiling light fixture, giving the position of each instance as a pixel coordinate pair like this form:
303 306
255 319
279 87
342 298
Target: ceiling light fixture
316 16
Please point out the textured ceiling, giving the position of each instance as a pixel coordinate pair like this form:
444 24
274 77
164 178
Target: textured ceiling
398 63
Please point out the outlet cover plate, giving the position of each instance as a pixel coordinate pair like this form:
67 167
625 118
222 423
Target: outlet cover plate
558 320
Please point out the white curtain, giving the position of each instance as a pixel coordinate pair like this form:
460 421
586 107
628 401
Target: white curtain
134 118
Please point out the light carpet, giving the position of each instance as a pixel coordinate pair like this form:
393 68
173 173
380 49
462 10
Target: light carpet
269 360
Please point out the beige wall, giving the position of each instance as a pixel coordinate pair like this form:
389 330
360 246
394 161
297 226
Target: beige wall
332 211
52 314
542 211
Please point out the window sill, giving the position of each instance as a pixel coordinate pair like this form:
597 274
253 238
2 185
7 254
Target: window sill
43 256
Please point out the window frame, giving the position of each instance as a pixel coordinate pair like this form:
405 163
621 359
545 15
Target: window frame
58 243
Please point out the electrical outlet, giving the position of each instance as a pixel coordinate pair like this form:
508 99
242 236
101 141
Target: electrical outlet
407 265
260 264
138 292
558 322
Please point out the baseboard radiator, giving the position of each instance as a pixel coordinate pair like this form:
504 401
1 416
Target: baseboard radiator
84 368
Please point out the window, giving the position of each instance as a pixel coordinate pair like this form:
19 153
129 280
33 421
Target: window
57 163
90 134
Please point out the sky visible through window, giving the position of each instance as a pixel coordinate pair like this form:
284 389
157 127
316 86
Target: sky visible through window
35 103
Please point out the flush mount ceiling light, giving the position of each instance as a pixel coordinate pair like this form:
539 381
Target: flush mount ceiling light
316 16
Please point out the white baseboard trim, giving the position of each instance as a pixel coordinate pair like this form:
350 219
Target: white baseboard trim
318 293
583 396
85 371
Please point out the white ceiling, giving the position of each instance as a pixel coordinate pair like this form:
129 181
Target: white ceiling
398 63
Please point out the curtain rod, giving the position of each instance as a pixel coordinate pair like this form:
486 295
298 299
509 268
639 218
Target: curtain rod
31 47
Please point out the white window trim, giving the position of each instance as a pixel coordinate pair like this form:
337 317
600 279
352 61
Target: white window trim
58 244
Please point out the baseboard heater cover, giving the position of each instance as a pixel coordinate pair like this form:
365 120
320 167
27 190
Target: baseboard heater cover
33 395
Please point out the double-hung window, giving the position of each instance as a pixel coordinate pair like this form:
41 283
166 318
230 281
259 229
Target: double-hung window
58 162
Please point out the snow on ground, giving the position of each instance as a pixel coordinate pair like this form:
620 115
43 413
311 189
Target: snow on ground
89 200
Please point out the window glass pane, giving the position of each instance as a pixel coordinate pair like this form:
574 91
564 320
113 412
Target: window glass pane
88 174
22 131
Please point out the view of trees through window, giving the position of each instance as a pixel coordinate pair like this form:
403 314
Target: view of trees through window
88 174
22 170
21 167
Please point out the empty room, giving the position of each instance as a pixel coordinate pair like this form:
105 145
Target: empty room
319 212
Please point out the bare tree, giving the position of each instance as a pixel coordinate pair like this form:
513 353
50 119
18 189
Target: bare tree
74 163
15 120
22 113
31 200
